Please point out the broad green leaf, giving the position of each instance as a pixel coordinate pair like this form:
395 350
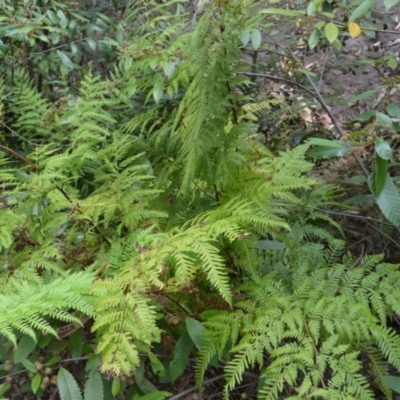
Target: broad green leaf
75 343
24 348
392 62
392 382
169 69
194 329
361 9
53 361
383 149
35 383
388 200
321 152
393 110
314 38
280 11
65 59
331 31
4 387
91 43
181 352
28 365
384 120
311 8
379 178
156 365
155 396
93 363
67 386
115 387
245 38
339 144
63 19
256 39
337 44
146 386
390 3
94 386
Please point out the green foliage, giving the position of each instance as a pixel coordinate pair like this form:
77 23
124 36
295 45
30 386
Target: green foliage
137 197
311 317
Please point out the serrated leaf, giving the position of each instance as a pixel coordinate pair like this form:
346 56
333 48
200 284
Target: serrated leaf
67 386
75 343
314 38
379 177
24 348
35 383
388 200
331 31
383 149
354 30
181 352
390 3
94 386
194 329
256 39
361 9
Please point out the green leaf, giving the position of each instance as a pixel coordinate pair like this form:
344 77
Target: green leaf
392 382
35 383
63 19
169 69
24 348
245 38
331 31
314 38
4 387
75 343
379 177
256 39
94 386
67 386
383 148
393 110
388 200
280 11
66 60
156 365
390 3
115 387
28 365
53 361
361 9
91 43
360 96
384 120
155 396
392 63
194 329
322 152
93 363
181 352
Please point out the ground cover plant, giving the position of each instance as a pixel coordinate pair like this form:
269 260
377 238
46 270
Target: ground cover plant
160 220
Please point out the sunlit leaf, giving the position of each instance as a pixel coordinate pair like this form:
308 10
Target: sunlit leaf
67 386
331 31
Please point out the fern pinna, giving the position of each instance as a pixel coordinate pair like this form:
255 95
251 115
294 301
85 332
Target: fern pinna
309 324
